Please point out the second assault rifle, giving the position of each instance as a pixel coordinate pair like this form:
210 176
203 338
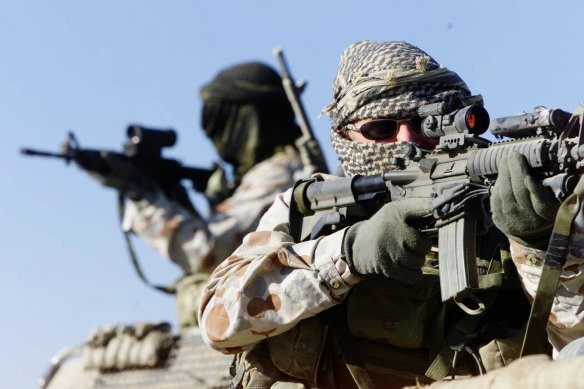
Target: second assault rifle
143 149
456 177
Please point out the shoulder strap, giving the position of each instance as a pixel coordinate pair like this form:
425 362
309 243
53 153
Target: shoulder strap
343 340
134 258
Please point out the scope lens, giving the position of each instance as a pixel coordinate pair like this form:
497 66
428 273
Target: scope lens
470 120
476 119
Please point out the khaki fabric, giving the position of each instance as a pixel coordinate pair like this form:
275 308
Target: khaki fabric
391 313
254 369
501 352
188 293
73 375
301 267
198 245
531 372
190 364
368 159
298 351
271 283
389 79
122 347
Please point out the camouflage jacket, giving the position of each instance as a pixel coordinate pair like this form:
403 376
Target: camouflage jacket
270 283
196 244
567 316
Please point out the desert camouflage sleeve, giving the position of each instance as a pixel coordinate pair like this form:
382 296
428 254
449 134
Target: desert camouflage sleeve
567 315
270 283
196 244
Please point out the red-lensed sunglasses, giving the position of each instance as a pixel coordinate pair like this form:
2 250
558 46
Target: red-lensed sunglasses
383 128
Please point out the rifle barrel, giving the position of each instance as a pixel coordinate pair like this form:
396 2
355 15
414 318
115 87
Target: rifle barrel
40 153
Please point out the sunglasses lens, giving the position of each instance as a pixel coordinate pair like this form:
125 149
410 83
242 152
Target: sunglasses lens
379 129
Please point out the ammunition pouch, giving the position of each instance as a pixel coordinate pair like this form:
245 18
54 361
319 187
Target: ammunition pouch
298 352
254 369
393 313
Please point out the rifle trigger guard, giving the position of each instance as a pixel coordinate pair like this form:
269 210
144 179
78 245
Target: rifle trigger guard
480 309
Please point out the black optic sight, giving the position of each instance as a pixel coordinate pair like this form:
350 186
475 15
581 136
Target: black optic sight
472 119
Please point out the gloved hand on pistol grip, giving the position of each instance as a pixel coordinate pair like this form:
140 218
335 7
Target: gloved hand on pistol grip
124 176
523 209
388 244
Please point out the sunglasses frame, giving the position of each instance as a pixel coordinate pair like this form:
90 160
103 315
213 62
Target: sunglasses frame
353 127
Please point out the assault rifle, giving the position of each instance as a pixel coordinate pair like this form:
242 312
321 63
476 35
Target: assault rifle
144 150
456 177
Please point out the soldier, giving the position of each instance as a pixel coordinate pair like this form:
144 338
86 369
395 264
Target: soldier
360 307
250 121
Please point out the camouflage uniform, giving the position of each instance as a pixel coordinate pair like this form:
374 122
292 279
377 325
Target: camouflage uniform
567 316
271 283
247 116
195 244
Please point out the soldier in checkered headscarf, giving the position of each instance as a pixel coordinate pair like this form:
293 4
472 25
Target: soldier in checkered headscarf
272 299
385 80
361 306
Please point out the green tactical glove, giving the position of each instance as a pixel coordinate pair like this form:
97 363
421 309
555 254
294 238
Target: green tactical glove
387 244
523 209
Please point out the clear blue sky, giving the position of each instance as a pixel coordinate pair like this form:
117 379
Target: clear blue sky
94 67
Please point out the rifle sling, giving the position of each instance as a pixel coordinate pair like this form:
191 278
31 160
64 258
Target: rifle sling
343 340
441 366
553 263
134 258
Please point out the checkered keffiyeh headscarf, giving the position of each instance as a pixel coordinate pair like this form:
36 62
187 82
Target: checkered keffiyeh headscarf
385 80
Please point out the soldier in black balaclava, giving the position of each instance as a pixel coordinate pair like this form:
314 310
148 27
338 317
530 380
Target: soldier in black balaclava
249 120
247 116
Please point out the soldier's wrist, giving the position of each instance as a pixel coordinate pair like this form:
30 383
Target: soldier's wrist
347 248
537 239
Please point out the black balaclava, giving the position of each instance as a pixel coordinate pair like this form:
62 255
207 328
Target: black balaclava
247 116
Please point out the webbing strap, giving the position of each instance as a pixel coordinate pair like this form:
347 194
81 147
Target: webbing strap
553 263
134 258
442 364
343 340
